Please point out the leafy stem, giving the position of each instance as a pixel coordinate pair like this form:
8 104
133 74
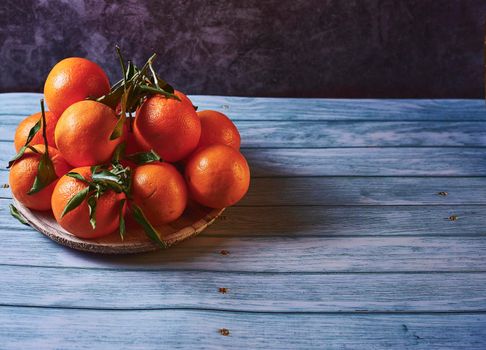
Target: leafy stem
26 146
46 173
135 86
16 214
144 157
103 178
44 126
142 220
122 64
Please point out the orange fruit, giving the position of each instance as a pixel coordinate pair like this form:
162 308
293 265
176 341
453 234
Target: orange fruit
77 220
83 133
160 191
23 173
23 129
170 127
217 176
216 128
71 80
183 97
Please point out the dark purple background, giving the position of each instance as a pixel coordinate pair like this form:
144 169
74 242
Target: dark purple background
314 48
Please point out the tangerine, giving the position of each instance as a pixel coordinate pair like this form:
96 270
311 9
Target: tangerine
23 129
77 220
83 133
217 128
24 171
71 80
160 191
168 126
217 176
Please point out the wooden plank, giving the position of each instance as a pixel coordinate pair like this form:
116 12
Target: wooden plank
353 162
266 254
365 191
351 221
28 328
322 221
259 134
246 108
82 288
367 162
332 191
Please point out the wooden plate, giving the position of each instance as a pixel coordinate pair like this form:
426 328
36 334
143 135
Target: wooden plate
194 220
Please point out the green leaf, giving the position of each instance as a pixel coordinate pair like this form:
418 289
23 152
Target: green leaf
78 177
154 75
118 130
22 150
75 201
131 70
158 82
17 156
150 231
108 178
119 153
45 174
144 157
112 98
16 214
34 130
122 220
122 63
155 90
144 68
92 210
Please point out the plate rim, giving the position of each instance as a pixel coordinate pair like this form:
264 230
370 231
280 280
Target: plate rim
92 246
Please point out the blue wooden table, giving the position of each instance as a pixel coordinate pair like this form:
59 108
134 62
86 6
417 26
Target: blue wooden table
364 228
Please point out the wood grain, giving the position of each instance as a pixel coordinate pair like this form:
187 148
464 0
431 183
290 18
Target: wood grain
367 162
268 109
365 191
341 221
344 241
149 329
275 292
268 254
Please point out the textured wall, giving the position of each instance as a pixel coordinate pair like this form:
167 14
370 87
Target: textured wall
326 48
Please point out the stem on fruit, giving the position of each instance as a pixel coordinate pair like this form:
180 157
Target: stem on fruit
44 127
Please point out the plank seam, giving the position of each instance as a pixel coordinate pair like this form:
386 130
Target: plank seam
307 273
223 310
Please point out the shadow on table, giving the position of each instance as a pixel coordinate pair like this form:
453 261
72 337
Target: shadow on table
273 207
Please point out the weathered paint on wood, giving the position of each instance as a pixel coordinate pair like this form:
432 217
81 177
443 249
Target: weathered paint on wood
274 292
268 254
365 191
46 329
345 240
340 221
268 109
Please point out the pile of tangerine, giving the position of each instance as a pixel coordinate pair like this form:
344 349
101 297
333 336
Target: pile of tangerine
138 149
